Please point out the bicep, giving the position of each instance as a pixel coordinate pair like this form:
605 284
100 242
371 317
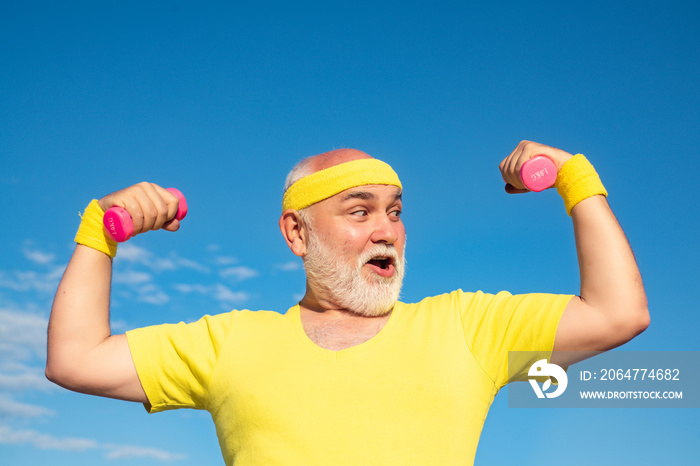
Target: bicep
585 330
108 370
122 380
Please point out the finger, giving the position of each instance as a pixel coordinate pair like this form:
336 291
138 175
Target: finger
510 189
510 175
133 200
172 225
153 207
505 170
513 177
171 202
165 204
503 166
146 207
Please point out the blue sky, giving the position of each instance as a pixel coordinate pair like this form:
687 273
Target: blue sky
220 99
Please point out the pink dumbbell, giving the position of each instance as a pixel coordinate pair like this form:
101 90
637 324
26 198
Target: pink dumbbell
538 173
118 222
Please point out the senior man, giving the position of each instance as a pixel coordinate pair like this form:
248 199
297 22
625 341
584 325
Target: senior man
349 375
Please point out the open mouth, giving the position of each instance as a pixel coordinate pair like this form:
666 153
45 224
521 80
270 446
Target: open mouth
382 266
382 262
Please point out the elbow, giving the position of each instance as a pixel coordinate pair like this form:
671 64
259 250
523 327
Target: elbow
639 316
65 379
62 374
65 366
50 374
634 323
53 373
643 320
53 370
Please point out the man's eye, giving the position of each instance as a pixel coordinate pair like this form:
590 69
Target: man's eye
395 213
360 213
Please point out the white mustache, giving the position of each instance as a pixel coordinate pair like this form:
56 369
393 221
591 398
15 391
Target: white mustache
380 250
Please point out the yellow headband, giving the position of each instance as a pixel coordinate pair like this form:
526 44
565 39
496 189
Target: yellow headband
333 180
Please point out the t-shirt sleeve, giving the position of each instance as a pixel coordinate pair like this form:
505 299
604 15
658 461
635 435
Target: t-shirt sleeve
495 325
174 362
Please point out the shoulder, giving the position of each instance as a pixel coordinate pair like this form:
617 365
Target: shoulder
439 307
476 306
211 325
258 318
457 298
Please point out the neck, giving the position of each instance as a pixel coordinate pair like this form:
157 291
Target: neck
322 304
334 328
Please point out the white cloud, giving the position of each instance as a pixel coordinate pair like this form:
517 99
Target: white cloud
127 452
139 286
131 277
226 295
44 441
217 291
22 335
226 260
151 294
239 273
187 263
11 409
289 266
38 257
186 289
130 253
28 379
43 282
138 255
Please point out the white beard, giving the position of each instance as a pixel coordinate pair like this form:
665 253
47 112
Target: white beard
332 276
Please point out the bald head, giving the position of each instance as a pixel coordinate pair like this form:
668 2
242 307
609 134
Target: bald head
322 161
335 157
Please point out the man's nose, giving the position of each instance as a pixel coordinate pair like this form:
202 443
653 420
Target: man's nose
385 230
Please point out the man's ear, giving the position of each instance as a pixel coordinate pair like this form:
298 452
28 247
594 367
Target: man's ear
294 231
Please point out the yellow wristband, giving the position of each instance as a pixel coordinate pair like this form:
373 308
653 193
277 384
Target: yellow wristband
577 180
91 232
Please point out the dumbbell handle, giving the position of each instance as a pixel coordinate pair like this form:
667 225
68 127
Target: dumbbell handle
538 173
119 225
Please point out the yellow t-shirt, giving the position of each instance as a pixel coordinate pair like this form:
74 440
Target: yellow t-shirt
416 393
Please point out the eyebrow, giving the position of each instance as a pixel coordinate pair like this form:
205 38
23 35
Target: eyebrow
367 196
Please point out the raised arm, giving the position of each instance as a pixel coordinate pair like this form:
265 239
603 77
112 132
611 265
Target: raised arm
83 355
612 306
